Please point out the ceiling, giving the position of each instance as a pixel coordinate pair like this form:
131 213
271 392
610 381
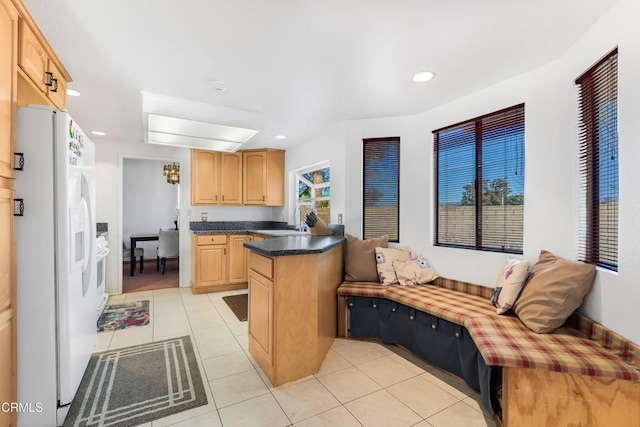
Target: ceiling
303 64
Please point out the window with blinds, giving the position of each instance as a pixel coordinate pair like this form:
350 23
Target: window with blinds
381 210
479 175
598 102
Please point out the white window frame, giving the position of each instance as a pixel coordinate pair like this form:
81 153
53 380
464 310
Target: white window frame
296 176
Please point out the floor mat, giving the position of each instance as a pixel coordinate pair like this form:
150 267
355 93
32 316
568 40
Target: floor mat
136 385
239 304
125 315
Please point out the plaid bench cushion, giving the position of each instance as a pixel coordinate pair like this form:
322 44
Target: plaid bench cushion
627 350
467 288
362 289
444 303
505 341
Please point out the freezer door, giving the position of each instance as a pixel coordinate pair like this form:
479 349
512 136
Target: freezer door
76 287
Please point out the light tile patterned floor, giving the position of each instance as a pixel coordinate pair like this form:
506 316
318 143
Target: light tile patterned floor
359 384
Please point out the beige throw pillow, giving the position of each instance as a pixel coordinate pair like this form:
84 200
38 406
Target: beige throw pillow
555 289
414 271
360 258
384 263
509 284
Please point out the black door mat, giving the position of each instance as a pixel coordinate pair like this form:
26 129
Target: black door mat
239 304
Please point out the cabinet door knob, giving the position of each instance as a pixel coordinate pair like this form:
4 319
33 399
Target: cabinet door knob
49 78
223 198
263 198
54 84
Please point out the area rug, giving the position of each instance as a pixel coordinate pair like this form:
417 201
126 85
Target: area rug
136 385
239 304
125 315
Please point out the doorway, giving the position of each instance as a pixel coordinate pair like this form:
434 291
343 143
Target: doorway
150 202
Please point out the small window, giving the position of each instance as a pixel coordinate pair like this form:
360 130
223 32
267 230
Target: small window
598 232
479 175
314 191
381 210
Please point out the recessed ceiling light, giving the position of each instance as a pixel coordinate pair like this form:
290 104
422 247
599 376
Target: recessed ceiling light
97 132
281 136
72 92
423 76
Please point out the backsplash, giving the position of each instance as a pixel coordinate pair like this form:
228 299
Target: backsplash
337 229
236 225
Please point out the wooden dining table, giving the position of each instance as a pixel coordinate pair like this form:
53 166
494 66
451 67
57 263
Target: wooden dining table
135 238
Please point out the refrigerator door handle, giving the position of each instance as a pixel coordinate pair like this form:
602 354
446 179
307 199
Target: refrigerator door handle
87 235
90 235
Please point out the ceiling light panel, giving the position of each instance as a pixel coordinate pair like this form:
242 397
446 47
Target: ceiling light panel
161 138
168 130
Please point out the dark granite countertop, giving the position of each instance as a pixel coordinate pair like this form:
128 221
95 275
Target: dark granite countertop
295 245
243 231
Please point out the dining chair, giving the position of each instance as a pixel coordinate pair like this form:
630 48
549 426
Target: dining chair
168 247
139 252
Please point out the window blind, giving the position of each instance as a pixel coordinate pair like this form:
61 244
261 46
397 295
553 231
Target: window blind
381 192
598 104
479 174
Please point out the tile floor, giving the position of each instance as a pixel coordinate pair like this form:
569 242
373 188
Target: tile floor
359 384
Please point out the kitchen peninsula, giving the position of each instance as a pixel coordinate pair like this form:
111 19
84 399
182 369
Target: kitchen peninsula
292 303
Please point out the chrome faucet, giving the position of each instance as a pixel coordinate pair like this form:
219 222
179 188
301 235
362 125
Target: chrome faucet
300 226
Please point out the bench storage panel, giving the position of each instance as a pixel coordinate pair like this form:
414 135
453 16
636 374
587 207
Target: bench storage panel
442 343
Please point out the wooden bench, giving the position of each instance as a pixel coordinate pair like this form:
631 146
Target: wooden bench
581 374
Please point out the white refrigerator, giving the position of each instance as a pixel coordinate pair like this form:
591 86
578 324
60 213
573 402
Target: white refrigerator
56 277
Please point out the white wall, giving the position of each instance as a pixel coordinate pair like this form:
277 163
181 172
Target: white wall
149 202
551 176
327 146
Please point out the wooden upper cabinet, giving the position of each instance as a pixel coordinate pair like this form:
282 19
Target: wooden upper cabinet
32 59
44 78
263 177
253 177
57 91
8 65
205 176
231 178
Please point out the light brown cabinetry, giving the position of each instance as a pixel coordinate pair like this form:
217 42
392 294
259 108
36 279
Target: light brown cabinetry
231 178
211 256
8 53
216 178
219 262
293 312
263 182
45 77
204 177
238 257
568 399
261 290
8 97
7 303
